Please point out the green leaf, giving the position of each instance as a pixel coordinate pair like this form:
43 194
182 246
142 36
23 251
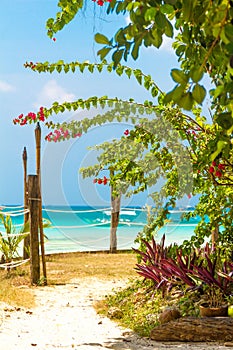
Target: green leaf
103 52
154 91
136 48
138 75
220 145
186 101
199 93
175 94
196 74
116 57
157 37
179 76
229 32
160 20
225 120
167 9
150 14
168 29
102 39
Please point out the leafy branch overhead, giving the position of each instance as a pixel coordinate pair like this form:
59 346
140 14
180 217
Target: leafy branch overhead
203 43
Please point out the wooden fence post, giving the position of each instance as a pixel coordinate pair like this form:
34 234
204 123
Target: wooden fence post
26 244
33 199
38 172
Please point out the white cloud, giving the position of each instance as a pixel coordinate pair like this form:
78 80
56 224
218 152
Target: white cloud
5 87
52 92
127 20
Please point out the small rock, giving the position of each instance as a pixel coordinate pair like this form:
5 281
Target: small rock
168 315
115 312
230 344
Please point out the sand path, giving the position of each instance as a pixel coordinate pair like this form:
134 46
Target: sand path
64 318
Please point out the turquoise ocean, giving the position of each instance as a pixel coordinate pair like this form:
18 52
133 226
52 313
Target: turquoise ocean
79 228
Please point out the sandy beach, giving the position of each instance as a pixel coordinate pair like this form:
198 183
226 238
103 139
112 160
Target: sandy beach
64 318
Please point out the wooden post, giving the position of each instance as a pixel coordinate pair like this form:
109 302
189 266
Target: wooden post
115 214
33 200
26 244
38 147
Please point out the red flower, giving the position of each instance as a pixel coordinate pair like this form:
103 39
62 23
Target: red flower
23 122
218 173
94 181
54 39
105 180
126 132
100 2
221 166
32 115
214 163
189 196
99 181
211 169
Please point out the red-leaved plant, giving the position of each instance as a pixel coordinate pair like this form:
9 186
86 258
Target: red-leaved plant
201 269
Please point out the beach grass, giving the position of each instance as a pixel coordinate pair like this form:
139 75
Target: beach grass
15 288
62 268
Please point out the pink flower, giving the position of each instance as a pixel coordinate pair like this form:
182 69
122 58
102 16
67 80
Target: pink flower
66 133
32 115
77 135
58 133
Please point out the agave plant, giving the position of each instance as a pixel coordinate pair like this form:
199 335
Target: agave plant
9 240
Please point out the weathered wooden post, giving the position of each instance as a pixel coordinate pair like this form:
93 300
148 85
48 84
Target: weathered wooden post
26 244
115 214
33 201
38 147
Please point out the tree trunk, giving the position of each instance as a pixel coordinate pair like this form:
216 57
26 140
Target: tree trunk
192 329
214 236
115 214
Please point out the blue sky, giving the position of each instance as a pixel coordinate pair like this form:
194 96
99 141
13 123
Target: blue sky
24 38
